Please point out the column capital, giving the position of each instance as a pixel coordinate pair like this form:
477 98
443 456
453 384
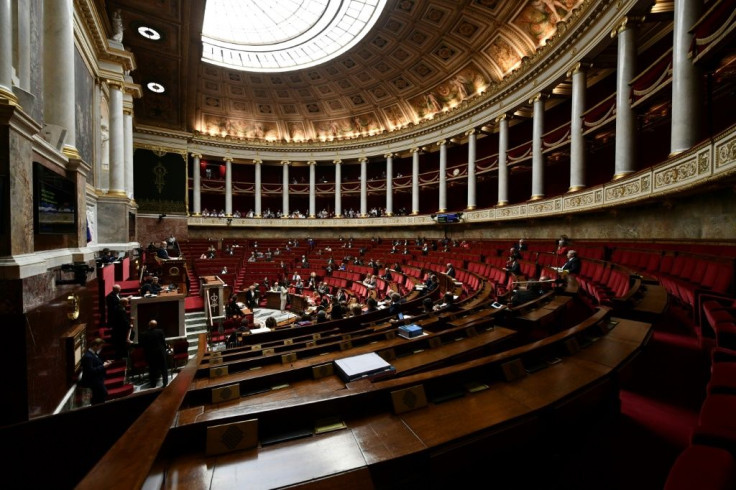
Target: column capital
116 84
578 67
257 161
228 159
441 143
337 161
196 155
503 117
286 163
539 96
388 155
127 111
626 22
471 131
363 160
311 163
415 150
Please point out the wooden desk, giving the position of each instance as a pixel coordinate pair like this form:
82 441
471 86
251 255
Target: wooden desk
166 308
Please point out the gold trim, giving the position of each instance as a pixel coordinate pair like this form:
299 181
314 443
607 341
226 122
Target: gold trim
537 197
111 193
470 208
7 97
442 210
575 188
621 175
71 153
502 203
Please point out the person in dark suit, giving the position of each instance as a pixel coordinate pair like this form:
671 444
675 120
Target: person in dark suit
93 372
572 266
112 302
450 270
162 253
251 297
121 329
153 342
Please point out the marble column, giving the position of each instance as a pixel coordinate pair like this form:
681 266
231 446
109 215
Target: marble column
257 185
128 152
503 169
58 72
228 187
196 184
285 188
443 176
117 140
22 48
687 97
415 181
6 51
363 187
625 155
577 142
537 146
389 184
471 169
312 189
338 188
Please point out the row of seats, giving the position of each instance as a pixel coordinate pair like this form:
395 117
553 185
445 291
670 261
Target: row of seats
708 463
719 313
603 281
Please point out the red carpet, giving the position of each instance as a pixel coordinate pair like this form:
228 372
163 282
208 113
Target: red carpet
193 303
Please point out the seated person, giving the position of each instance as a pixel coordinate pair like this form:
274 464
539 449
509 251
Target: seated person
162 253
448 302
513 266
371 305
238 334
572 266
271 323
431 282
233 307
369 281
151 287
387 276
427 304
106 257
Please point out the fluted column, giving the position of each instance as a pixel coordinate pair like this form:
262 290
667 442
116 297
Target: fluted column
285 189
312 189
443 176
228 187
257 204
389 184
58 72
537 155
196 185
338 188
117 140
6 51
503 169
363 187
686 79
471 169
577 142
625 122
128 151
415 181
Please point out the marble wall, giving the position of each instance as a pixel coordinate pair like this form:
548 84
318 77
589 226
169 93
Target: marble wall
151 229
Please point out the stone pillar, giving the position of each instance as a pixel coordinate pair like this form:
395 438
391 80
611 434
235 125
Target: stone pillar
58 72
196 184
128 151
285 189
537 155
443 176
117 140
471 169
415 181
228 187
577 142
687 97
338 188
22 49
6 51
363 187
257 185
312 189
389 184
503 169
625 122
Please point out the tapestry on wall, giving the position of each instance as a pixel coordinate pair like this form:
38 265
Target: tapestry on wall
160 182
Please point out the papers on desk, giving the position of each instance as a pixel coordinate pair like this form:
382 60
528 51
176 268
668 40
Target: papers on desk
360 366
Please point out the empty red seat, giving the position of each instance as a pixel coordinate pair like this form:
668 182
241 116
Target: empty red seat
704 468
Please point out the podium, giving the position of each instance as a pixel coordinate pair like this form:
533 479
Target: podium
167 309
174 271
213 288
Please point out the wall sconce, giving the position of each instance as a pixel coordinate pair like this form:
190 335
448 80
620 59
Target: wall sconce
161 217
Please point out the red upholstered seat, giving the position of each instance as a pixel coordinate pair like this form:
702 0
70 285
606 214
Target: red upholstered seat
718 411
704 468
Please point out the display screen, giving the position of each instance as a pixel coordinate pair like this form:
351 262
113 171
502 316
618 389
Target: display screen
54 201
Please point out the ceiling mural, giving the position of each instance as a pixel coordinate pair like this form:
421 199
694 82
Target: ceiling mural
420 59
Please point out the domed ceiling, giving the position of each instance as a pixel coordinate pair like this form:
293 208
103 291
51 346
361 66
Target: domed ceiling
420 58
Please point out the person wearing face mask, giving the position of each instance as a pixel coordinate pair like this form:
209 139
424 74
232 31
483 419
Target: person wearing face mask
93 371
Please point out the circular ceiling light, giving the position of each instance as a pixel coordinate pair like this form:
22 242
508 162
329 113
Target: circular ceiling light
155 87
149 33
283 35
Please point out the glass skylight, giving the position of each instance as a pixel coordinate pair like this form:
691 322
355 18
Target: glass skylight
283 35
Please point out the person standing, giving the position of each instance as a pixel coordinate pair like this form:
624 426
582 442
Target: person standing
283 295
112 303
121 328
450 270
153 342
93 371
